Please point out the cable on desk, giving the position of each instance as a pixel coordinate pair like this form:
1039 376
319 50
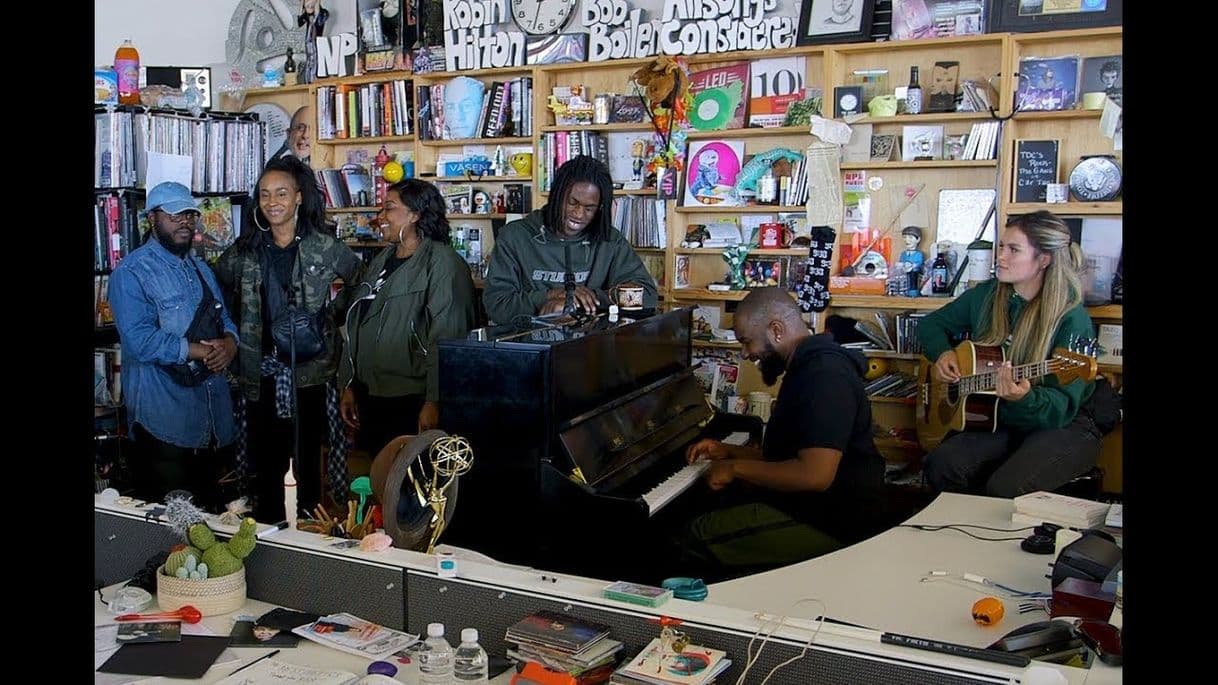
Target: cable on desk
958 527
752 658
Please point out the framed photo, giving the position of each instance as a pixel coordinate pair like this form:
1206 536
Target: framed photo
1027 16
834 21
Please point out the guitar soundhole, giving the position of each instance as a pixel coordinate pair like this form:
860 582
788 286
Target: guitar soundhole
953 393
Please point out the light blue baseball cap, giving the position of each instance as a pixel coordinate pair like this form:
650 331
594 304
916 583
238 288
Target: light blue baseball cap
172 198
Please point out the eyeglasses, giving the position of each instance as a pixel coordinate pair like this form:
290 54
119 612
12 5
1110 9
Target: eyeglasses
181 218
299 128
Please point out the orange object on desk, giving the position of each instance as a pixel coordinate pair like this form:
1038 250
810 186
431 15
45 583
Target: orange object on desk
536 674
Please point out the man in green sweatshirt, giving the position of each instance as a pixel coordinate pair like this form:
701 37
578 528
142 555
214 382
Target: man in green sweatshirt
571 233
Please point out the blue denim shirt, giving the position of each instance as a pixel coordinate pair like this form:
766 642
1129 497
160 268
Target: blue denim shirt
154 294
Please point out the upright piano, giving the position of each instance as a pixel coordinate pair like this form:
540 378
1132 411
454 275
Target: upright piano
579 437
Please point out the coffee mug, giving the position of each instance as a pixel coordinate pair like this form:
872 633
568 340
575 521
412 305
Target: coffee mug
759 404
522 162
630 297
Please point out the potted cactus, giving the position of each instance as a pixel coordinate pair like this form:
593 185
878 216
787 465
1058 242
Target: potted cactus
203 571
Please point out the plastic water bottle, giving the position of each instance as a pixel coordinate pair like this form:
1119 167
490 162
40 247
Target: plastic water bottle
470 665
436 662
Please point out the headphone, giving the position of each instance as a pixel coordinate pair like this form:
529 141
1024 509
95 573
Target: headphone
1043 539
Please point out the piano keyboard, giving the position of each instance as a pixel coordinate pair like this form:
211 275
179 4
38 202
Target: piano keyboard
668 489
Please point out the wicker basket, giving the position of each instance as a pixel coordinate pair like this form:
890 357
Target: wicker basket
211 596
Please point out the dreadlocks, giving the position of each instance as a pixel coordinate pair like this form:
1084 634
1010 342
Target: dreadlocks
581 169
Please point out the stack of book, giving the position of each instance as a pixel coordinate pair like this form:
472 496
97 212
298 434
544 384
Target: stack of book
566 644
693 665
1039 507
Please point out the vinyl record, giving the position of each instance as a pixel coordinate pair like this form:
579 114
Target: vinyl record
712 110
872 265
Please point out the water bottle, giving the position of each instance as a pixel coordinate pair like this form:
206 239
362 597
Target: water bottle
436 662
469 664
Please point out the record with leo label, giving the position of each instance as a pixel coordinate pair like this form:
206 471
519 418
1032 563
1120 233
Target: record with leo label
1096 179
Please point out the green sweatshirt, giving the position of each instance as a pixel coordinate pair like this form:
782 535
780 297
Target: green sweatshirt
1048 404
529 260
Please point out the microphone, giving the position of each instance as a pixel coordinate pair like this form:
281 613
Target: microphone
568 282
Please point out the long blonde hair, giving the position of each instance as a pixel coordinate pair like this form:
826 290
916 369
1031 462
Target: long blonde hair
1061 291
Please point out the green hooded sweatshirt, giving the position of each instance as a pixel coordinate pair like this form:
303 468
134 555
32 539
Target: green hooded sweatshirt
529 260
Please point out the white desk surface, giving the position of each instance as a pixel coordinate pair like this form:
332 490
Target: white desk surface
875 584
878 584
306 653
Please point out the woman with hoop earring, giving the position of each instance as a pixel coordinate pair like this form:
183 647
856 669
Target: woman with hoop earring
414 293
277 278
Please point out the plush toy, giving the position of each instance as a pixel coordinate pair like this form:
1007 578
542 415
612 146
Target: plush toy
663 81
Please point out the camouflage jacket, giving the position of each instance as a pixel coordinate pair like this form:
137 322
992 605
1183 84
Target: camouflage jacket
239 272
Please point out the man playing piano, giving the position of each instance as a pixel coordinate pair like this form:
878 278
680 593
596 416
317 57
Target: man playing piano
816 483
570 235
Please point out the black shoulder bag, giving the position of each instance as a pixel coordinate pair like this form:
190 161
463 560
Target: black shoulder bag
206 325
293 328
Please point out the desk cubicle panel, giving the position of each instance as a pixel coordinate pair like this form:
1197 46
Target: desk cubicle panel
121 545
326 584
290 576
461 603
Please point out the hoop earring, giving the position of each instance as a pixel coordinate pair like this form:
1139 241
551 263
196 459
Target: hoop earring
260 228
401 232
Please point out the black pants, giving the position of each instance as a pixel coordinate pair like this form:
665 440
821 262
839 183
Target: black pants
157 467
382 419
1009 464
269 442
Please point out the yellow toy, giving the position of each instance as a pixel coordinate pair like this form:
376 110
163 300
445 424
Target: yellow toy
876 367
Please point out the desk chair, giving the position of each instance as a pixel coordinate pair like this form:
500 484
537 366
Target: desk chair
1086 486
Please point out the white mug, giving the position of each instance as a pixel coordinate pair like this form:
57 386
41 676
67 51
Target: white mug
630 297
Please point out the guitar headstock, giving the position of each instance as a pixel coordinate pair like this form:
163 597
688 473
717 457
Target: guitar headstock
1076 361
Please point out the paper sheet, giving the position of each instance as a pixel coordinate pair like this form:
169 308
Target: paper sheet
163 167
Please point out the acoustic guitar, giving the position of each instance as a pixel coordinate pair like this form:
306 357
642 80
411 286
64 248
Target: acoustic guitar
970 404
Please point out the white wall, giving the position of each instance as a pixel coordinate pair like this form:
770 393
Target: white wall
166 32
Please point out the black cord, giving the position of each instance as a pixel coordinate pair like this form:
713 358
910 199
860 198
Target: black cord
958 527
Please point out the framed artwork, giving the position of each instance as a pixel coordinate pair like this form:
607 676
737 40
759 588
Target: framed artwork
1027 16
834 21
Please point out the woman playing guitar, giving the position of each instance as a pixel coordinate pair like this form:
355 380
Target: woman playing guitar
1042 439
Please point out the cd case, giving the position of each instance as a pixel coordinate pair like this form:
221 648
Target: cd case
634 593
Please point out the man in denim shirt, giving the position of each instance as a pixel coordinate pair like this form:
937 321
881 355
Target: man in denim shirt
178 431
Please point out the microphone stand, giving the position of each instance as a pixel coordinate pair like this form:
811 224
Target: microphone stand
569 283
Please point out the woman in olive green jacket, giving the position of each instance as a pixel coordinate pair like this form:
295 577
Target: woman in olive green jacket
414 293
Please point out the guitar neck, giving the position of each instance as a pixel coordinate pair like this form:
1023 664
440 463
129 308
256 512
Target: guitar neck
988 380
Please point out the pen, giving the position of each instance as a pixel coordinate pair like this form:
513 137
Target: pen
264 656
272 530
992 655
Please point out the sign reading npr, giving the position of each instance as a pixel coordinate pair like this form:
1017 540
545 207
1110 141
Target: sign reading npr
336 55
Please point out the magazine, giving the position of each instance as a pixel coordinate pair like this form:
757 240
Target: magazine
356 636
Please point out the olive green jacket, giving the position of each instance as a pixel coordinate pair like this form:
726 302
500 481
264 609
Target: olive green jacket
323 259
392 331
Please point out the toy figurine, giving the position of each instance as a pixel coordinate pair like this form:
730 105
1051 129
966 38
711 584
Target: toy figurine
911 258
734 256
